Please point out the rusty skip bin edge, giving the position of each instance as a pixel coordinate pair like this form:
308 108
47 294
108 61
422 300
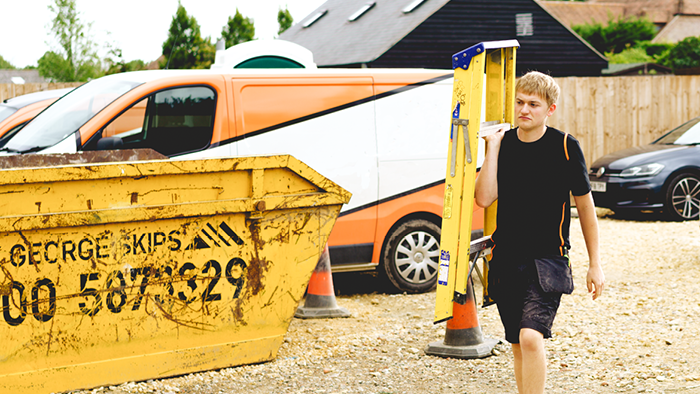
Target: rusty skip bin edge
117 272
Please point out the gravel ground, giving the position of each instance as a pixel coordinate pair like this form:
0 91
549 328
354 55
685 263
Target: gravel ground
642 336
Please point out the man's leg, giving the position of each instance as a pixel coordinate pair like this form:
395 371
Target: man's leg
518 365
533 365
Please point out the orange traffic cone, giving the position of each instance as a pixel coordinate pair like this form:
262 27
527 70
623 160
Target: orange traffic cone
463 336
320 297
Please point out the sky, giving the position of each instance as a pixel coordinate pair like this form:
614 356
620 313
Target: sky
138 27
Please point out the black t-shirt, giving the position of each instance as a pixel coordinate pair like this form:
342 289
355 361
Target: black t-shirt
534 181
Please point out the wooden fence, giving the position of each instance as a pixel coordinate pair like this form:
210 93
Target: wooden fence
604 113
611 113
9 90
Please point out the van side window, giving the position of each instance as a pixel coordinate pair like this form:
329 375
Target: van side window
128 124
171 122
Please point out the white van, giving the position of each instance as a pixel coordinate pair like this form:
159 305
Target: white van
381 134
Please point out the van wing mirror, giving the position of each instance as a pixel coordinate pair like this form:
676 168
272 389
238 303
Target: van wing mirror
110 143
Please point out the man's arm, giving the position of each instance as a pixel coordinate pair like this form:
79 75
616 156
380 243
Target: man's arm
486 190
595 280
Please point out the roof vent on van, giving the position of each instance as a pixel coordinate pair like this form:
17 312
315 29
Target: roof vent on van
414 4
361 11
314 18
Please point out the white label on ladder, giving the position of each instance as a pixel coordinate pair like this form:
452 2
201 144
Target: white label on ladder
444 267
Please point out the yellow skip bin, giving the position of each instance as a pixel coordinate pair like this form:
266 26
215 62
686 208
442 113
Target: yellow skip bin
118 272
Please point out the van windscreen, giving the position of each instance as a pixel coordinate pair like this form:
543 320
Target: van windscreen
68 114
6 111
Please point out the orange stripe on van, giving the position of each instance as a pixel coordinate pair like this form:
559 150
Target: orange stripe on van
264 104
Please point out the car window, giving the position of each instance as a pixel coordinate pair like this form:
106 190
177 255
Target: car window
685 134
171 122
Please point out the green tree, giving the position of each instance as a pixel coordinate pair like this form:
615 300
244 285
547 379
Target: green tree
617 35
285 20
238 30
5 65
185 48
76 58
629 55
116 63
685 54
655 50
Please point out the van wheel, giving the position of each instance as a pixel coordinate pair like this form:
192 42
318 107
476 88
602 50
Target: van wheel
411 257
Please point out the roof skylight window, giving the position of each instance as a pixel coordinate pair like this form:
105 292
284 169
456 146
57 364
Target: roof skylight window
314 18
361 11
414 4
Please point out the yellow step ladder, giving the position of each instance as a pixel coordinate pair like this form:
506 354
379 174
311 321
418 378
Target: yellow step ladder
491 64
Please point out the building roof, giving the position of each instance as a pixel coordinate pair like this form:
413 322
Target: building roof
572 13
360 41
658 11
394 34
636 69
26 76
680 27
690 7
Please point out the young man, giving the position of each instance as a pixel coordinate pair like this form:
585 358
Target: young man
531 170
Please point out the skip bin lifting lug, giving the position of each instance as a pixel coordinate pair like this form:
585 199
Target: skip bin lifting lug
257 213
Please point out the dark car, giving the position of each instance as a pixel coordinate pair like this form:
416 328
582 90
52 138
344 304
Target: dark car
662 176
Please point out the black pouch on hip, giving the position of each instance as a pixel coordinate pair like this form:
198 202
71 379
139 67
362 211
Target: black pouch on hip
554 274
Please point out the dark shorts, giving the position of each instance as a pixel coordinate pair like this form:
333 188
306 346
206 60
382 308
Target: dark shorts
525 305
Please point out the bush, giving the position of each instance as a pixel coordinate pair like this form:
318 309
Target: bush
685 54
617 35
5 65
655 50
594 34
629 55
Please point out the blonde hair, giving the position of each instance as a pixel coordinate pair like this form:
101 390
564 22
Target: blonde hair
539 84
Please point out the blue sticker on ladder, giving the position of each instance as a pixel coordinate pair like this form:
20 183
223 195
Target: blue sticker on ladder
455 115
444 270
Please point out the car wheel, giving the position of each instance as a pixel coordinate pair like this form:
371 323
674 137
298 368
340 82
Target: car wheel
411 256
683 197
